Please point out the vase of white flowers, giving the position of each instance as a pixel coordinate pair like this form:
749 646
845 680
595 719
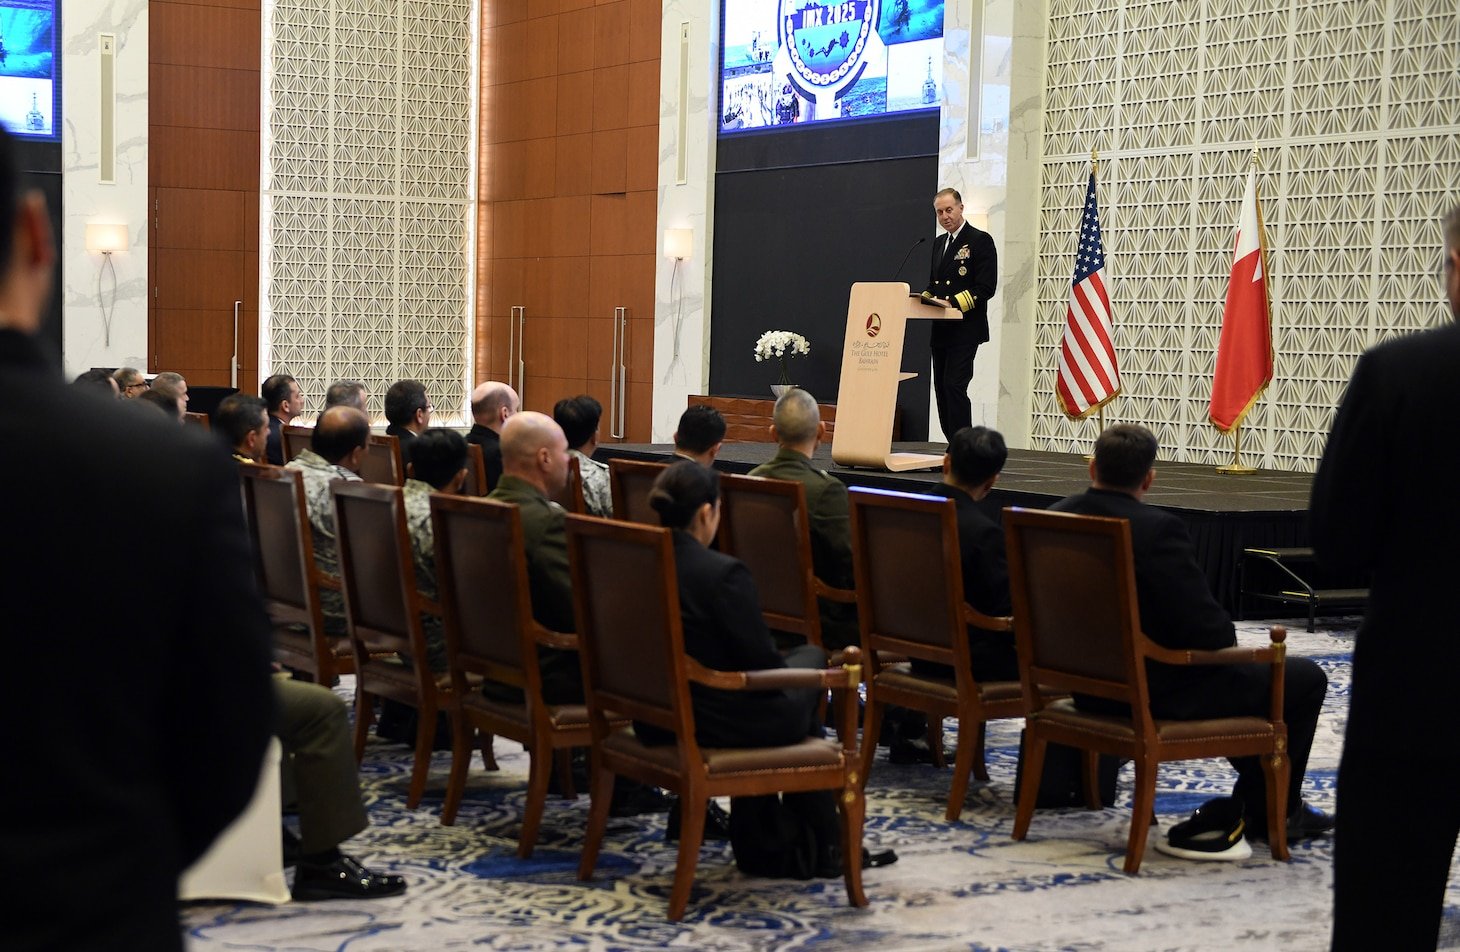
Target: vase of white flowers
781 346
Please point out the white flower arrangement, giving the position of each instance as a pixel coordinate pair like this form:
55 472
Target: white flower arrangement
782 346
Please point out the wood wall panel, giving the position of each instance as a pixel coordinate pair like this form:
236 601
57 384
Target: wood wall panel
203 33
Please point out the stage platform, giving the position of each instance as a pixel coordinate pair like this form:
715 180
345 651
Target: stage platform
1224 513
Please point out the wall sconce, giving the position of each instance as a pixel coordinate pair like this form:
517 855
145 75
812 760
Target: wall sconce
679 243
106 240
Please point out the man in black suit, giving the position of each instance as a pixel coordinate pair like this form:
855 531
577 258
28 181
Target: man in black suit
136 744
965 274
1380 505
408 410
492 403
1177 610
285 401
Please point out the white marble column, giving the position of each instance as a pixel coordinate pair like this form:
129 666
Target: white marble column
86 200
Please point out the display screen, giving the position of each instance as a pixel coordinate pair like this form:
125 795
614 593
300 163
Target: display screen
796 62
28 100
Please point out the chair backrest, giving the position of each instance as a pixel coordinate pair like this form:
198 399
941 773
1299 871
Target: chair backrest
909 575
1076 617
626 601
483 587
296 439
382 463
572 499
376 570
476 472
283 549
763 523
629 482
198 420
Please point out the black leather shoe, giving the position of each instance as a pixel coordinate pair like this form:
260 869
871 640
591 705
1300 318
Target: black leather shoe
829 863
717 823
1303 824
636 799
345 878
910 752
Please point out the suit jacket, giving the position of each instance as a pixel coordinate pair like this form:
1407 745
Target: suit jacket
491 443
1176 604
406 437
274 445
981 548
966 274
545 541
1381 504
831 537
139 602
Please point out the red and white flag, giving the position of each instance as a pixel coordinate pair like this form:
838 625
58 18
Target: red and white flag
1244 354
1088 378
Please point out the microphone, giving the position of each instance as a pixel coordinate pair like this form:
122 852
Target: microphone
910 249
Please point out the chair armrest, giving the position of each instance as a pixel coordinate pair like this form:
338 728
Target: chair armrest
978 619
1273 654
548 638
773 679
833 594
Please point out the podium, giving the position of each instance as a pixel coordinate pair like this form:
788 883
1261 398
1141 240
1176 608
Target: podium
877 316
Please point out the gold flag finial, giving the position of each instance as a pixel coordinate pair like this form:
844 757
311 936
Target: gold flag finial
1094 160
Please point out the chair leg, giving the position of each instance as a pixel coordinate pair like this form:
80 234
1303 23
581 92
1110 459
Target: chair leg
461 737
601 791
692 805
425 738
364 714
871 728
1092 779
962 767
489 756
1141 810
563 760
1029 783
540 758
852 809
1276 769
980 765
935 739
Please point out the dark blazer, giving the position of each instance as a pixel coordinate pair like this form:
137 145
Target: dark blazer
1176 604
1381 504
831 537
274 445
724 630
406 437
967 274
138 661
981 548
491 443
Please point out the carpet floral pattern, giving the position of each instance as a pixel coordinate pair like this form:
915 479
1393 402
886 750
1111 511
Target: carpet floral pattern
965 885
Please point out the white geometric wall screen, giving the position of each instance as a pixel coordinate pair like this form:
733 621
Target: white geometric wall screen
367 194
1353 106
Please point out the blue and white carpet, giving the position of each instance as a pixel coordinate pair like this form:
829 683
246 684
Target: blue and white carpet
956 886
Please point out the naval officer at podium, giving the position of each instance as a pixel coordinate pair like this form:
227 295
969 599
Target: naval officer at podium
965 274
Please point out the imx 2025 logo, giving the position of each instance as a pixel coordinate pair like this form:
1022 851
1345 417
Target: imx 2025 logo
826 40
874 325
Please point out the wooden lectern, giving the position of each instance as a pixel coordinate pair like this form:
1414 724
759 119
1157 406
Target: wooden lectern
877 317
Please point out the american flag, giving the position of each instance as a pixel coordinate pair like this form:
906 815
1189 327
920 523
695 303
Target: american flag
1088 378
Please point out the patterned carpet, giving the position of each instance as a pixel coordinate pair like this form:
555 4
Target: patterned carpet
956 886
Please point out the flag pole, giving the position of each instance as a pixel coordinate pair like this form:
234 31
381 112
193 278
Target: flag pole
1100 413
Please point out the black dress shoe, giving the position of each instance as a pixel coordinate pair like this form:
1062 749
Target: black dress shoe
344 878
634 799
1303 824
717 823
910 752
829 863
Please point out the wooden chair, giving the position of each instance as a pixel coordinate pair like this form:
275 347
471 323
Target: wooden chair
629 482
382 461
910 602
572 498
476 472
634 666
383 609
1078 624
295 439
290 580
199 420
486 600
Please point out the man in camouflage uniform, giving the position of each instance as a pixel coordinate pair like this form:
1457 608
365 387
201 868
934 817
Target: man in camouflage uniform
335 450
438 464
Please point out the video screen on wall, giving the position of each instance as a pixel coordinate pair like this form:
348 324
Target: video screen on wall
787 63
28 100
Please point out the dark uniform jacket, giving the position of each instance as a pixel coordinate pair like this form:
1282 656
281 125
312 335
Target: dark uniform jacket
406 436
967 274
831 537
491 443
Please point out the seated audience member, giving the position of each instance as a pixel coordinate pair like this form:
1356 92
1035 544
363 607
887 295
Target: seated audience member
173 385
130 382
314 729
491 404
408 410
700 433
797 427
438 464
242 422
336 448
99 382
285 401
347 393
579 416
167 401
1177 611
117 789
